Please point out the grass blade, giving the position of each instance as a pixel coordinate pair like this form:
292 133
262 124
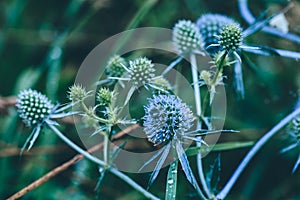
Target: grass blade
172 181
218 147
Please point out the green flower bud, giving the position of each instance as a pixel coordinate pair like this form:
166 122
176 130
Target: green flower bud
141 71
77 93
104 96
186 36
114 66
231 37
33 107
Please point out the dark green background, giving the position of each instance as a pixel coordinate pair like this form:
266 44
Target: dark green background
31 29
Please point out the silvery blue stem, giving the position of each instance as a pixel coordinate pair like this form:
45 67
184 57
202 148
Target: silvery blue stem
100 162
198 112
253 152
276 52
247 15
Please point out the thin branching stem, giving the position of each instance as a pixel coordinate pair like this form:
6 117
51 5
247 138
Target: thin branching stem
253 152
198 112
247 15
100 162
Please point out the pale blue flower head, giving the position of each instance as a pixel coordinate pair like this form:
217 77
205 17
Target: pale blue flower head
166 116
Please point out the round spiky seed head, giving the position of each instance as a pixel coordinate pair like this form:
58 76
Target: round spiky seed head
186 36
114 67
165 117
104 96
141 71
211 25
77 93
33 107
231 37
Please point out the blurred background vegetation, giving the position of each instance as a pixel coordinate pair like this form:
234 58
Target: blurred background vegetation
42 44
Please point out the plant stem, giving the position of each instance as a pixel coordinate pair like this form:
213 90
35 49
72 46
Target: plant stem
106 149
100 162
250 19
88 112
214 82
198 112
253 151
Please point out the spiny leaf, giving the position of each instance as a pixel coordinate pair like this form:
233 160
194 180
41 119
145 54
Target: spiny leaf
152 158
185 164
213 175
159 165
218 147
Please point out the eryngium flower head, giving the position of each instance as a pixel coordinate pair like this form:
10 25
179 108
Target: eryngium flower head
104 96
141 71
231 37
115 67
77 93
33 107
165 117
186 36
211 25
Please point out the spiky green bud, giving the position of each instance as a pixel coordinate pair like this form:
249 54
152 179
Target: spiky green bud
33 107
114 67
186 36
141 71
104 96
77 93
231 37
211 25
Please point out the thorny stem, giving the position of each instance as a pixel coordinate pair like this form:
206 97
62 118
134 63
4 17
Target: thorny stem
253 151
198 112
88 112
100 162
67 164
214 80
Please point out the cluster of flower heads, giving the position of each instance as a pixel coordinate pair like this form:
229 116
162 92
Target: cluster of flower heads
33 107
166 116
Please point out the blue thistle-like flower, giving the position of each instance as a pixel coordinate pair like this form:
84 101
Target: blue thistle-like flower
33 107
141 71
186 37
209 26
165 117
